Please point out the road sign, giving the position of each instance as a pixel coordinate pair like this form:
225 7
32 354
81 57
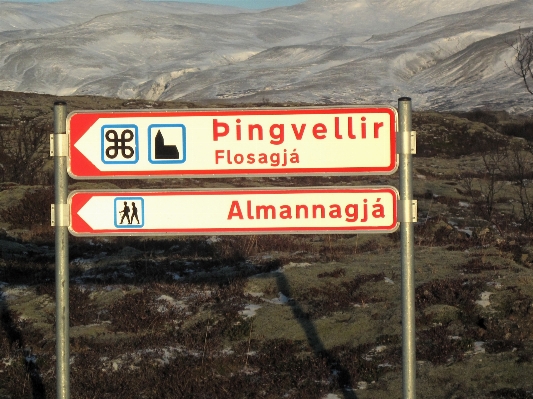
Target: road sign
234 211
228 142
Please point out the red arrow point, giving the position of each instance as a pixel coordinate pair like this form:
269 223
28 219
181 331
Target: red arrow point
78 201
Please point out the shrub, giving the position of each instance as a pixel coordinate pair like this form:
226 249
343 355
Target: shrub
32 210
23 150
523 130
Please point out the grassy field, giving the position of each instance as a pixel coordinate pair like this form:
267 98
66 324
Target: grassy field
279 316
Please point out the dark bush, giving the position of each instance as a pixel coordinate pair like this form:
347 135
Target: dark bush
436 346
24 150
32 210
476 266
498 346
339 272
511 393
460 293
523 130
331 298
488 118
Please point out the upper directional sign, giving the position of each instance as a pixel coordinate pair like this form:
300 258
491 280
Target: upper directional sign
237 211
226 142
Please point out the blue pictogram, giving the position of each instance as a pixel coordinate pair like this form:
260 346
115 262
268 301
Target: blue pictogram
129 212
120 144
167 144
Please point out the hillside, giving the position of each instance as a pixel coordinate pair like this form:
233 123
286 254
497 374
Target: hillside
446 56
283 316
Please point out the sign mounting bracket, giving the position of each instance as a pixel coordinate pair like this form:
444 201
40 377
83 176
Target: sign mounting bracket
60 215
59 145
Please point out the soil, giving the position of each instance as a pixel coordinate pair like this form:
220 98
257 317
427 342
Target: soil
284 316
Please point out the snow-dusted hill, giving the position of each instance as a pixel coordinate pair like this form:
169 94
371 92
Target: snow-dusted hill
446 54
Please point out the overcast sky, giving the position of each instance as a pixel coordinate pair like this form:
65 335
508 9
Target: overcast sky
257 4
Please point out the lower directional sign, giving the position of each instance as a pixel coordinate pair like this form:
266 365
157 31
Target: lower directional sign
234 211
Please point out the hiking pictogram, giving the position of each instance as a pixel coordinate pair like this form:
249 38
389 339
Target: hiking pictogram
129 212
125 214
134 213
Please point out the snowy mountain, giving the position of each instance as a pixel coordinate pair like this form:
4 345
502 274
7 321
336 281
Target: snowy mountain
446 54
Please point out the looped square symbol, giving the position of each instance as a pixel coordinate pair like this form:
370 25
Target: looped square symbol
120 144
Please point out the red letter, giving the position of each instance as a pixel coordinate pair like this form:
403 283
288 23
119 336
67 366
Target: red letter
259 129
319 128
335 212
265 209
249 209
352 211
350 128
216 133
235 210
377 125
302 208
277 138
285 212
219 154
322 211
298 134
337 128
238 129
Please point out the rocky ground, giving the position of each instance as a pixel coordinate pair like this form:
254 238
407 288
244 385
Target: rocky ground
288 316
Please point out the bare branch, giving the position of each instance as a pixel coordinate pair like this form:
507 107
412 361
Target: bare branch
523 66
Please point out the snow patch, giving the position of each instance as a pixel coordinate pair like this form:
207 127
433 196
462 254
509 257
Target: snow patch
280 300
249 310
485 299
478 347
292 265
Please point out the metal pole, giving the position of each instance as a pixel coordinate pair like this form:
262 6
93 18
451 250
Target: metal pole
407 250
62 259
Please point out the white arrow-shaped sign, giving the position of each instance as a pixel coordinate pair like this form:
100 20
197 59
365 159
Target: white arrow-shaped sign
309 210
228 142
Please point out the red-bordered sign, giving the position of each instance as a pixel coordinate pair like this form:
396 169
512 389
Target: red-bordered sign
228 142
235 211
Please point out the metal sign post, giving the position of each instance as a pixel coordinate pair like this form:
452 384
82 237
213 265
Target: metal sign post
60 219
407 209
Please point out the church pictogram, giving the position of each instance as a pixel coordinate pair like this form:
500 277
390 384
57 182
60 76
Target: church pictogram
163 151
167 143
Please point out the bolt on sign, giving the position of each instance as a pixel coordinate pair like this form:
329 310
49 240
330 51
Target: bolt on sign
227 142
234 211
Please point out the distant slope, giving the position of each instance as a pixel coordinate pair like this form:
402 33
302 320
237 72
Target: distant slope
445 54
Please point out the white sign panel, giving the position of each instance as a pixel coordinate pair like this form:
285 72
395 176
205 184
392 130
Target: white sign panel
254 211
312 141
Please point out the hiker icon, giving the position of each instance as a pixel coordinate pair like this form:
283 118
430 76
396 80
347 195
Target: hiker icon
129 212
125 213
134 213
